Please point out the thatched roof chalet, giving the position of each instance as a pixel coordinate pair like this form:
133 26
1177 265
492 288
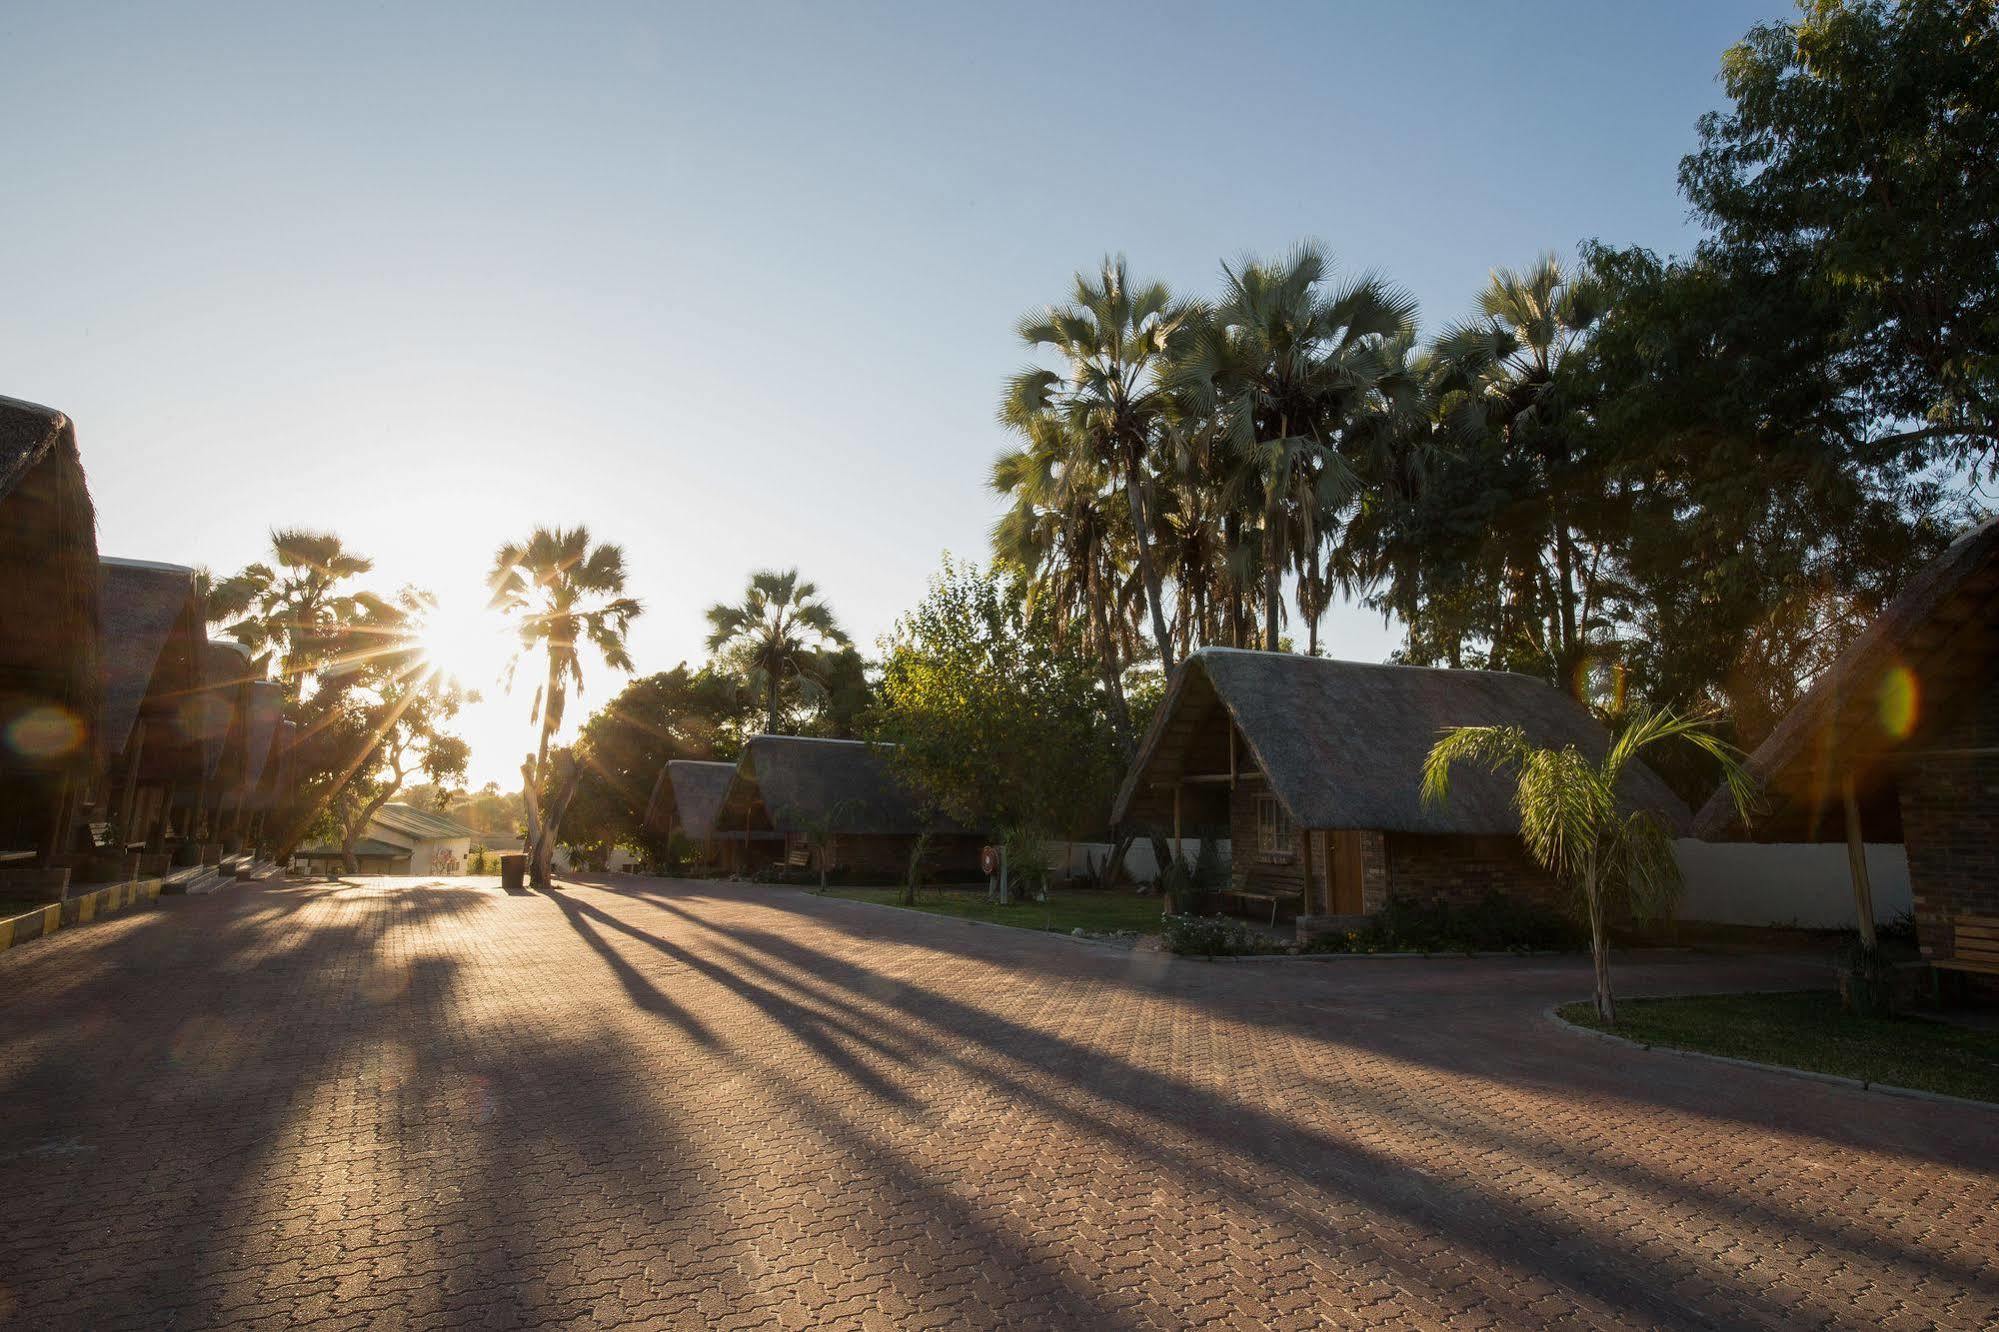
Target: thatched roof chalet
690 793
264 711
1934 645
1342 743
788 782
150 624
219 714
48 589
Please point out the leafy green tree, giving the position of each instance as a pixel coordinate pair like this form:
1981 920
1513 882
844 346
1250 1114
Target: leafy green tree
1860 157
676 714
561 591
1576 823
1113 339
996 724
780 638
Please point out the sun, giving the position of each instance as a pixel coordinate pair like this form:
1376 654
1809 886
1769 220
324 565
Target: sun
467 641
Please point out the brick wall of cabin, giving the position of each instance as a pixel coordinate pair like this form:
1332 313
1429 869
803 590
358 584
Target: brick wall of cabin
1249 867
1462 870
1950 820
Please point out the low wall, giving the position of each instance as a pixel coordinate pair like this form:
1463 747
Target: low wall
1801 884
1139 863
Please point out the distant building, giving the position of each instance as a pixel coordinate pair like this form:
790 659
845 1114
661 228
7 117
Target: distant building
399 839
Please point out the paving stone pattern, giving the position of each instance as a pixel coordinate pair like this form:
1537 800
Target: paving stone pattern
383 1103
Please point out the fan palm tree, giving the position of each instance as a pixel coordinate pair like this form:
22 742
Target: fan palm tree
1114 339
294 608
1575 823
560 591
778 631
1068 543
1289 369
1500 385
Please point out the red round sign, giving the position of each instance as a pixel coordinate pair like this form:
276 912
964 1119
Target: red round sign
989 859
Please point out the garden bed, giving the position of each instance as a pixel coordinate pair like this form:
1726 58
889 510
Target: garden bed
1809 1030
1065 911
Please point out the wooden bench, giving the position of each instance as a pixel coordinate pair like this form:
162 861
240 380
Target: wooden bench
1275 896
799 857
1974 945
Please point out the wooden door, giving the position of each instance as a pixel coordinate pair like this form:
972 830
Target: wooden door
1343 873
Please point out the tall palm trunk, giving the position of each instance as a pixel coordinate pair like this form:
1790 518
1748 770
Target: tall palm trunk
770 701
1147 567
1273 576
1599 947
538 848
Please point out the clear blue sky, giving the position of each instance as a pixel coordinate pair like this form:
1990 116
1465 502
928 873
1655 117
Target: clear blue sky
733 285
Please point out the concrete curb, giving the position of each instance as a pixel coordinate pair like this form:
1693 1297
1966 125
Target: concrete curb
1553 1014
74 911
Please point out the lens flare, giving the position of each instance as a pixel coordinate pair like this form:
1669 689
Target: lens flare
1899 703
44 733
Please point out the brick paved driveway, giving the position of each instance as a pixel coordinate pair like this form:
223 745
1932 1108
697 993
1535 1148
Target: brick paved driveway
386 1104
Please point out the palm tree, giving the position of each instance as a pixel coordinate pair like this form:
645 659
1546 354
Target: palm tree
1575 823
778 631
1069 545
1114 341
1289 369
561 592
294 608
1500 385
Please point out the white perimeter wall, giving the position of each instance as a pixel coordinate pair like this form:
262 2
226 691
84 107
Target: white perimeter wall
1801 884
1805 884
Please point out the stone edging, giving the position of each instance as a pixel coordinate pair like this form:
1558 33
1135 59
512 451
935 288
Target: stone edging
78 910
1553 1014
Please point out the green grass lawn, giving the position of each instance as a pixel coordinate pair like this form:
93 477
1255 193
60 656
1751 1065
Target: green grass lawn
1809 1030
1097 912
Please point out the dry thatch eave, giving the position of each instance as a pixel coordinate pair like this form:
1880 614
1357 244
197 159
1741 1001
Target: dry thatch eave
792 781
48 587
150 624
1938 639
692 793
1342 743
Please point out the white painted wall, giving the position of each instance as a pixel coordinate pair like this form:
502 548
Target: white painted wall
1139 864
1804 884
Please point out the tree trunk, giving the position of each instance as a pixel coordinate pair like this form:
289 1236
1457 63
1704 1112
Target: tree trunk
1142 544
770 711
1599 947
1565 598
551 827
1273 579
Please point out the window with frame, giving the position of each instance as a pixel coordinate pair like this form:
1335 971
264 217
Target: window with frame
1274 837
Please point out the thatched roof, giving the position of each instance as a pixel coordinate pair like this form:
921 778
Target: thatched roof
147 613
419 823
219 712
48 578
690 792
794 780
1939 637
1342 743
265 709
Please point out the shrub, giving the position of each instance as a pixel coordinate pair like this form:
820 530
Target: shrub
1212 936
1866 978
1494 924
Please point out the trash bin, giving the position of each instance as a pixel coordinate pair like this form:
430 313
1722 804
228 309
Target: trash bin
514 873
